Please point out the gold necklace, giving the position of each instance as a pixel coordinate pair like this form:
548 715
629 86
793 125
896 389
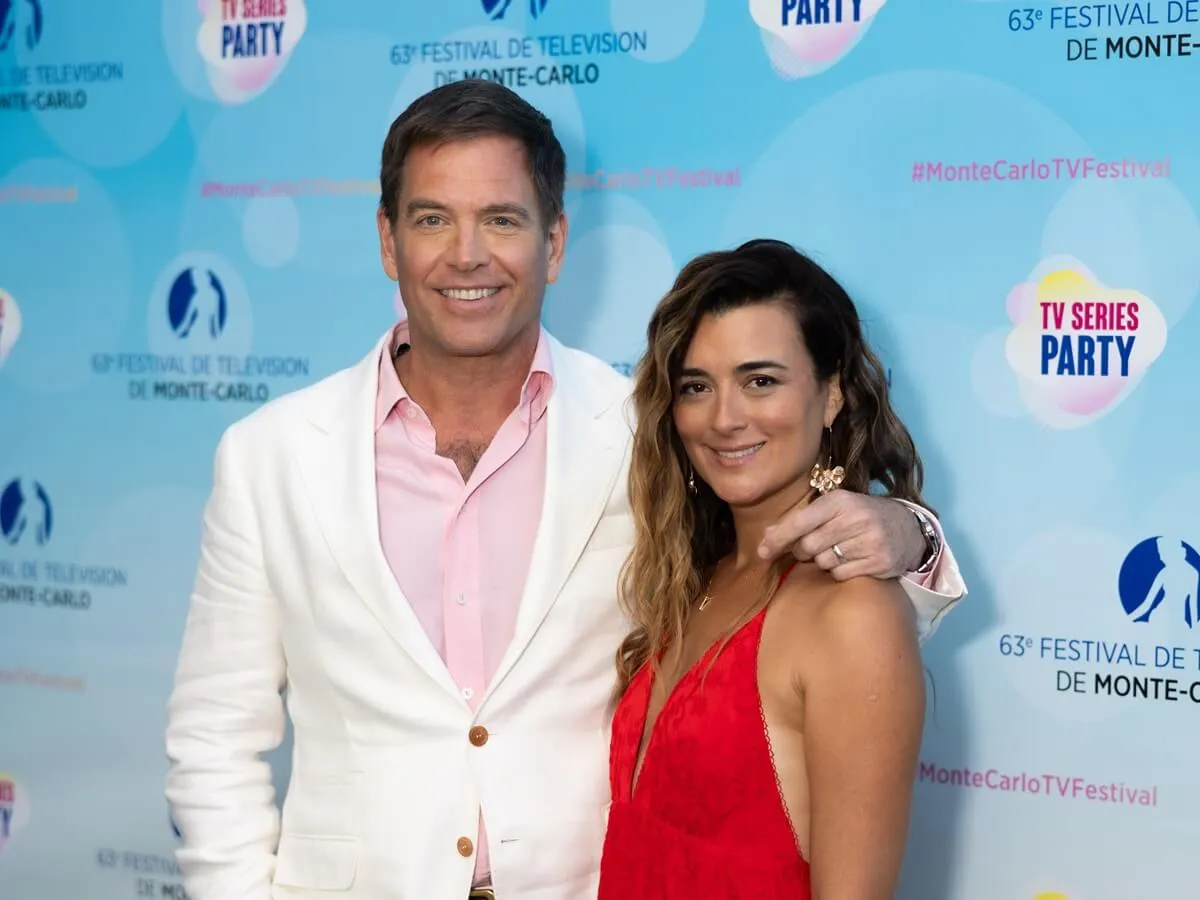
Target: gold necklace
707 598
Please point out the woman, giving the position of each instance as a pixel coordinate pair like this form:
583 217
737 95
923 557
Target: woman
769 718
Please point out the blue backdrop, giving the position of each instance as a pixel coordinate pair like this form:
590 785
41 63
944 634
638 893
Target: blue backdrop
187 192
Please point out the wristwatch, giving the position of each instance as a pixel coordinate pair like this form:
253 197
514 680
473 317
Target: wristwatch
932 541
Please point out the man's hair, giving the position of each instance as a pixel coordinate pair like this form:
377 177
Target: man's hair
469 109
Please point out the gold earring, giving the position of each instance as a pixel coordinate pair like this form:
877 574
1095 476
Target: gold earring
827 478
691 479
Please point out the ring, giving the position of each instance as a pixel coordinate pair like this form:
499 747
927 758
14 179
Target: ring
837 551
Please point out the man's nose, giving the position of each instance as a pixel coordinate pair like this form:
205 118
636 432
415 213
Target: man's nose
470 250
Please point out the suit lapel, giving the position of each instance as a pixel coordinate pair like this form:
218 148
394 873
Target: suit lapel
338 468
584 452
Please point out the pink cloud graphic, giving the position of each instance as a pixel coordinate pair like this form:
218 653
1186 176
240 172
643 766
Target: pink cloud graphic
10 324
806 37
244 56
1078 347
14 808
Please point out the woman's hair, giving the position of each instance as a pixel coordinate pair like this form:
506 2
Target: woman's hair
681 535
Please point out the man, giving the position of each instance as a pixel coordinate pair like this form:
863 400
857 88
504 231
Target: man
423 550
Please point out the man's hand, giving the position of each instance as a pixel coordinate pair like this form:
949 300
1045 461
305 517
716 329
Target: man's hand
877 536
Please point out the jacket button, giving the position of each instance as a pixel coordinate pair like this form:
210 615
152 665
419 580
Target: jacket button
465 847
478 735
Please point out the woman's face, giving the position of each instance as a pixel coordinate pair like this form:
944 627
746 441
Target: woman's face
748 407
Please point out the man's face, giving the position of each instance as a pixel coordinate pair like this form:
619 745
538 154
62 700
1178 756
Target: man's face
468 247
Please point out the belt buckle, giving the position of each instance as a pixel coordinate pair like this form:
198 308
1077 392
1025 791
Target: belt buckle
481 894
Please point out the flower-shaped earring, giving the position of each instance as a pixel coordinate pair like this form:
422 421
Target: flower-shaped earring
828 477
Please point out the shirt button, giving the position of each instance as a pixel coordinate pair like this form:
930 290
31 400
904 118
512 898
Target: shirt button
478 735
465 847
468 693
460 600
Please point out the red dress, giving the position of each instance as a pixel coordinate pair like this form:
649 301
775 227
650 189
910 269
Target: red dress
707 818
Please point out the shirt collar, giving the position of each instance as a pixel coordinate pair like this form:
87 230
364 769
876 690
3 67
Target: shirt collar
535 392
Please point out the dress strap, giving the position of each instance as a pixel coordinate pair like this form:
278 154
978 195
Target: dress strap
786 573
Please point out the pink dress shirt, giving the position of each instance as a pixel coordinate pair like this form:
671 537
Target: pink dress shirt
460 551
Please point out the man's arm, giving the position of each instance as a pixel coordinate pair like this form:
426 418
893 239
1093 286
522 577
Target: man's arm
935 584
878 537
226 709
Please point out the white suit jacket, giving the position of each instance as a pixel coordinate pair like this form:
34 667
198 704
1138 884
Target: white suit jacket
293 592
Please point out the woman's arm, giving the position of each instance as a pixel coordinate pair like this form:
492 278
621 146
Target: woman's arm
864 708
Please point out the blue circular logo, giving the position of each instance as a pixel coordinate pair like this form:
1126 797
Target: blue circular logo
197 304
25 510
23 14
1161 573
497 8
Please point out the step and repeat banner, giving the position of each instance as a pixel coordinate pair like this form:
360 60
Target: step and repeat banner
1009 190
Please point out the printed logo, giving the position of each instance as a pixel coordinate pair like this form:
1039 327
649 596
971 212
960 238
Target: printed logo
14 808
150 874
1161 573
27 520
10 324
199 322
1154 590
51 681
805 37
1093 22
54 84
1065 786
1049 168
651 177
516 61
197 298
25 512
23 16
497 8
245 44
1078 347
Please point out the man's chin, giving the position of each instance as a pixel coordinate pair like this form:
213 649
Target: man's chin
479 342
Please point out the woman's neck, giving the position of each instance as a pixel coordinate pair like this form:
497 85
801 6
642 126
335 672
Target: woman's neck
751 522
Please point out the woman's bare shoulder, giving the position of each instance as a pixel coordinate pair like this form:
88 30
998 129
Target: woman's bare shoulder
816 612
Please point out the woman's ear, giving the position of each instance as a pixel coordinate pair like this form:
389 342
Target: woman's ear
834 401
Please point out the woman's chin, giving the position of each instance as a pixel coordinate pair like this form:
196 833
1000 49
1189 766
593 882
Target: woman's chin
739 492
745 494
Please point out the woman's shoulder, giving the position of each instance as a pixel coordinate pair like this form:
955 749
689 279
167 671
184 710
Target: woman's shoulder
843 616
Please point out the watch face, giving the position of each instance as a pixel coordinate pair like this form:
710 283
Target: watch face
932 544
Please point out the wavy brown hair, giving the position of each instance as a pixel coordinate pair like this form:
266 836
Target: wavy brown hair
680 536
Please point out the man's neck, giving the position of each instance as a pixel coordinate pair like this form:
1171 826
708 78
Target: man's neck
460 390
